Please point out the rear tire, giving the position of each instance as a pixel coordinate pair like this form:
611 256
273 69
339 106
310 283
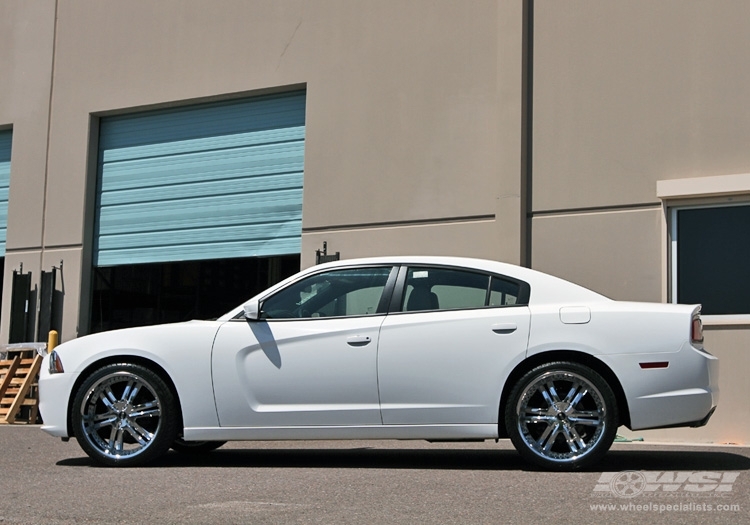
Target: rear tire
124 415
562 416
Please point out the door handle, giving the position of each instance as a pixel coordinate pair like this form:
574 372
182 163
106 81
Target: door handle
358 340
504 328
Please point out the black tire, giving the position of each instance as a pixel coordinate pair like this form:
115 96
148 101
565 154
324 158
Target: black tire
562 416
124 415
195 447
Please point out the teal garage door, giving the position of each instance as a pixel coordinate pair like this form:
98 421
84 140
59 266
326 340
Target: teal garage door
211 181
5 142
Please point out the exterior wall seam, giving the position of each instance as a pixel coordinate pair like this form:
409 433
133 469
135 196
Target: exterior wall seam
597 209
399 224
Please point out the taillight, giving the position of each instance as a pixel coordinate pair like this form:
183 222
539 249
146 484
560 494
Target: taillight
696 332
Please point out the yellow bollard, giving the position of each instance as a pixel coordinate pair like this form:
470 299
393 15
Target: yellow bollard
52 341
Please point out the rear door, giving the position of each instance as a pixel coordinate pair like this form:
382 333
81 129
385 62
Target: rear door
445 353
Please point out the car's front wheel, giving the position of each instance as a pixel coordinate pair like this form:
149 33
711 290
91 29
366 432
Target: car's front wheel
124 414
562 416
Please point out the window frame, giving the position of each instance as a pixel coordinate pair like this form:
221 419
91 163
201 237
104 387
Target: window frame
673 208
397 298
385 296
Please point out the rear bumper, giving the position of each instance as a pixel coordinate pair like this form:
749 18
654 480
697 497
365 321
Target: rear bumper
684 394
703 422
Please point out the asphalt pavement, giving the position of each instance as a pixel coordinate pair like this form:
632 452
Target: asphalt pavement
46 481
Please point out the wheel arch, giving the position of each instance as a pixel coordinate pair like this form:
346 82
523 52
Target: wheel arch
130 359
564 355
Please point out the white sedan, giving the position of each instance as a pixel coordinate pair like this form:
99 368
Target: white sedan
432 348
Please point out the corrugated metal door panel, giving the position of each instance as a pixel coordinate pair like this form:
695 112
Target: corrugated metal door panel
6 138
205 182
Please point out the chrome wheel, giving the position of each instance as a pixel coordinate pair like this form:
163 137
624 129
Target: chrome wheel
562 416
123 415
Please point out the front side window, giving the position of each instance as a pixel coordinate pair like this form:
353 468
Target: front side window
449 289
710 258
337 293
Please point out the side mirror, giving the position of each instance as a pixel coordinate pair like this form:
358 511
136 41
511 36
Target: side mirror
252 310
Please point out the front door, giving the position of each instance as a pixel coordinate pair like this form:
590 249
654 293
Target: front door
310 360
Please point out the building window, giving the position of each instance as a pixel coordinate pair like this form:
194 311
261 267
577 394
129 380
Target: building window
710 257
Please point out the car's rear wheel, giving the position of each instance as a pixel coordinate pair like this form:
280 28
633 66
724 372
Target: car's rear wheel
195 447
562 416
124 414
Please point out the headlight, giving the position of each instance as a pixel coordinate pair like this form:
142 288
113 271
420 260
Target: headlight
55 364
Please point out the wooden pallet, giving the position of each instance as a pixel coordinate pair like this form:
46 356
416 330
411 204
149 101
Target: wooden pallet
19 374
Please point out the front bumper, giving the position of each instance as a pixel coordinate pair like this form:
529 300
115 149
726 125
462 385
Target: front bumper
54 398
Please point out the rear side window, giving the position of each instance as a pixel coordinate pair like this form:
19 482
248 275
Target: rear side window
504 293
450 289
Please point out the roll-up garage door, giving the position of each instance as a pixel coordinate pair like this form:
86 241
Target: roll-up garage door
5 142
211 181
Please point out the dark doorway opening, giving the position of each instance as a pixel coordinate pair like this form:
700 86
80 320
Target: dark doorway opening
147 294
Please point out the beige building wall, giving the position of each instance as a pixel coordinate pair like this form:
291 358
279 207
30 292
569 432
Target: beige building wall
26 56
627 94
404 115
615 252
424 134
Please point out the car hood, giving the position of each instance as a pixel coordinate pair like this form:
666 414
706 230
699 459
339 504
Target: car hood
159 343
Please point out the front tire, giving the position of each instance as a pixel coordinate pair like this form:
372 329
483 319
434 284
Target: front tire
124 415
562 416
